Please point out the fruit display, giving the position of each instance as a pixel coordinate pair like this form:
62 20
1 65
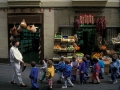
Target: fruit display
79 54
71 39
57 47
71 48
110 51
76 47
115 41
96 55
103 47
69 57
58 35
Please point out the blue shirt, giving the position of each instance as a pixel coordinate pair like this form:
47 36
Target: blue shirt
82 67
101 64
34 73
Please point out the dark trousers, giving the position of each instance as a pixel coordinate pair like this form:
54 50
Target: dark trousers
73 77
34 83
113 76
82 77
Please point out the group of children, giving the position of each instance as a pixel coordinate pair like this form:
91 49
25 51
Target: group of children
82 69
69 70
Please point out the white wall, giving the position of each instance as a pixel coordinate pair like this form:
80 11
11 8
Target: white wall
48 34
3 35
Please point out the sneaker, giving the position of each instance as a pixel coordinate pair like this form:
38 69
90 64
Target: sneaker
115 82
64 87
72 85
111 80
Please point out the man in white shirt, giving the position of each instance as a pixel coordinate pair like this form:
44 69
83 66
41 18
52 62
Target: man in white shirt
15 59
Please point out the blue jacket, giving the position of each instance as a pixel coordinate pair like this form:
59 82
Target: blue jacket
82 67
114 65
61 66
33 73
101 64
87 63
67 71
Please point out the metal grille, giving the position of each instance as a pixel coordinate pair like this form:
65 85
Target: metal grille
111 32
66 30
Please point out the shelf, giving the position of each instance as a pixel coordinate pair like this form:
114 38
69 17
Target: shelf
66 26
64 51
86 26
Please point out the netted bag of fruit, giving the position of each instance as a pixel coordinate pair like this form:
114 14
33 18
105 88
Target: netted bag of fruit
19 29
14 31
33 29
23 24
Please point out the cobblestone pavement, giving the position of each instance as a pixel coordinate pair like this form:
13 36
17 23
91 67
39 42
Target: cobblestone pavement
6 72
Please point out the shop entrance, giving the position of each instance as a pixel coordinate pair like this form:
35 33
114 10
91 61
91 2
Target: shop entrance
87 38
30 43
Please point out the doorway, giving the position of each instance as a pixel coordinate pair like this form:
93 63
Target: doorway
29 42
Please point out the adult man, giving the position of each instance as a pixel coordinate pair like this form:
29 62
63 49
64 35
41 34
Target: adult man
15 59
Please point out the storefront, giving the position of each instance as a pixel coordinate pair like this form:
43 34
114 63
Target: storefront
52 17
31 43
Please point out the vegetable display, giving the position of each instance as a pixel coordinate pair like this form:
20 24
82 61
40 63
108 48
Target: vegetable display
100 25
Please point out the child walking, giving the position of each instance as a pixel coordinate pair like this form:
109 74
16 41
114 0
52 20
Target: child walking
101 64
82 69
87 62
61 66
114 70
50 72
67 73
95 71
74 65
44 69
34 75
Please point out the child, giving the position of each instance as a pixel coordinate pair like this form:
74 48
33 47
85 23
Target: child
61 66
95 71
82 70
34 75
67 73
44 69
87 62
114 69
74 65
50 73
101 64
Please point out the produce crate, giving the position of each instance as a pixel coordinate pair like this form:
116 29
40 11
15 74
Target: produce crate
58 36
71 39
64 38
107 66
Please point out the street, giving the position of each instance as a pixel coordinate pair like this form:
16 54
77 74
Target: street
6 72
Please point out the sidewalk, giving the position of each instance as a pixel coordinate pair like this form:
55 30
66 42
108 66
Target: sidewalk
6 72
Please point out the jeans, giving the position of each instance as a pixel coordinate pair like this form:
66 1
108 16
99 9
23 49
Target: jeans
87 72
43 76
113 76
34 83
101 73
17 71
67 79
